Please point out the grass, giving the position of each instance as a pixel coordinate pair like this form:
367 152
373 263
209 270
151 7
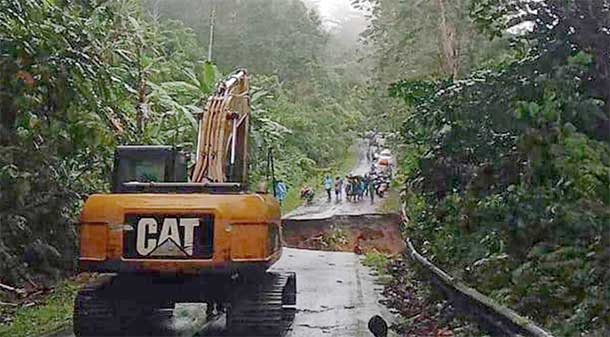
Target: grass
53 314
391 202
293 198
335 239
378 261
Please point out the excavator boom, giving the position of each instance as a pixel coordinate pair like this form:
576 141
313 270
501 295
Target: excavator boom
223 133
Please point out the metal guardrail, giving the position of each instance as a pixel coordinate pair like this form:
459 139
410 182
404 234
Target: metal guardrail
491 316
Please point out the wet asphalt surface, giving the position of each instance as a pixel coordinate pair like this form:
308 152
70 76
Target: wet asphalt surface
321 208
336 296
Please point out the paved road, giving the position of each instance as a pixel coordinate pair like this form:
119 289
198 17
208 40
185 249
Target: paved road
320 208
336 294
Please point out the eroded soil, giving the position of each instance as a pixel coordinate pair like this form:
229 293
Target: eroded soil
359 234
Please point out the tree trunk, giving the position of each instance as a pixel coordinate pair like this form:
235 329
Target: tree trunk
212 22
141 107
8 109
449 43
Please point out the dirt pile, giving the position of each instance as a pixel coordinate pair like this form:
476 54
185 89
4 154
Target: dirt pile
349 233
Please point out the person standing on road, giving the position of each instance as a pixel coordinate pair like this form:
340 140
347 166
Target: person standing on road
280 191
349 187
372 188
338 188
366 181
328 186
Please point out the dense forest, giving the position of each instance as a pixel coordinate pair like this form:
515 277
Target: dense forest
505 136
82 77
501 107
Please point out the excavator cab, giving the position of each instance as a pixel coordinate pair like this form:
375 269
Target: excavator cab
169 234
146 164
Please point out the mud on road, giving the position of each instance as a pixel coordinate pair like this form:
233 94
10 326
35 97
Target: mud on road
349 233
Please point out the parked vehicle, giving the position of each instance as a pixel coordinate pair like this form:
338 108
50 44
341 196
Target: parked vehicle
385 162
382 185
385 157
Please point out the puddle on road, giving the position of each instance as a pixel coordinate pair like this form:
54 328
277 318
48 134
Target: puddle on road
188 318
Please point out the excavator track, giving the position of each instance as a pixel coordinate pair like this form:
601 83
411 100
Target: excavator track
94 315
98 312
262 307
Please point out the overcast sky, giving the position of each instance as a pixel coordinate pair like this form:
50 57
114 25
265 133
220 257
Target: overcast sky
334 11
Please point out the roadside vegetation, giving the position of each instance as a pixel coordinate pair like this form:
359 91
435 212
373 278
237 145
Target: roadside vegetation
507 170
423 311
82 77
391 201
378 261
501 112
41 314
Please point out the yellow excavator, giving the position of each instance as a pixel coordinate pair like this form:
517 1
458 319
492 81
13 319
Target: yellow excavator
169 234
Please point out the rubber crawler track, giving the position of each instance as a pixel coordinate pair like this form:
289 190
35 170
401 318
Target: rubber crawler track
98 314
260 308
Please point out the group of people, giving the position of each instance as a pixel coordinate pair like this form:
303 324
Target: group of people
355 187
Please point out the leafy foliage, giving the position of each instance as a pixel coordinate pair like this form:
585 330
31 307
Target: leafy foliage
509 189
52 75
82 77
279 37
418 39
407 38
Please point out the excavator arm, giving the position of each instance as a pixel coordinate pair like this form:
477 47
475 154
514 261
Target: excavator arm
222 141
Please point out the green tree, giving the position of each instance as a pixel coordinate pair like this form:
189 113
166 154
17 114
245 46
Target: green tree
82 77
510 187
